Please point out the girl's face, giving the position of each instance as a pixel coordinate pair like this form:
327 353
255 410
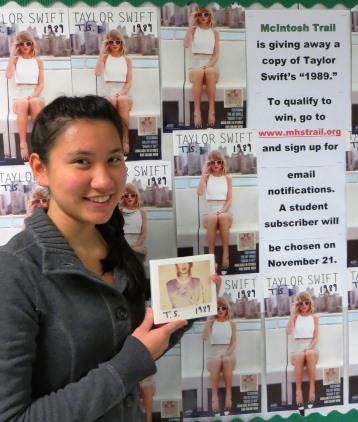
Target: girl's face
39 202
222 310
129 198
114 45
85 173
24 46
216 164
304 305
183 268
203 16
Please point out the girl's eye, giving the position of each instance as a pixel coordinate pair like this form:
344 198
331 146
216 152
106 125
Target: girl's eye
115 159
81 161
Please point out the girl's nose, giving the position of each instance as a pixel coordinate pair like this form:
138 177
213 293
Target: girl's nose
102 178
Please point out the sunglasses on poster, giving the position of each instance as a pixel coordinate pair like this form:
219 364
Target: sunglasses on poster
222 308
25 43
305 302
203 14
213 162
114 42
129 195
39 201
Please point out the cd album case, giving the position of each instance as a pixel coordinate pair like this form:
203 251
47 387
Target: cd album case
182 288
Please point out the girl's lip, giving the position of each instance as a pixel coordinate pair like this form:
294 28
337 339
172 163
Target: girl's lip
99 203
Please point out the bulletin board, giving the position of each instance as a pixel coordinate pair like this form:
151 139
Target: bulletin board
291 90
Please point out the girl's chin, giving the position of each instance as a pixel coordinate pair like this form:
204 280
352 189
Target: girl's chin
98 220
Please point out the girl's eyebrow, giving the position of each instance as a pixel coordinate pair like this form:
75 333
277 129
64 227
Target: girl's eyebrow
90 153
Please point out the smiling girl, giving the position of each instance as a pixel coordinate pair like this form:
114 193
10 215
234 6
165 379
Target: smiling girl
75 337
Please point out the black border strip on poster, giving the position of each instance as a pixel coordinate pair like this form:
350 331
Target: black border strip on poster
223 3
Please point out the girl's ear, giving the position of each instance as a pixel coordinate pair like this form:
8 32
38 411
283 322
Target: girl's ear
39 169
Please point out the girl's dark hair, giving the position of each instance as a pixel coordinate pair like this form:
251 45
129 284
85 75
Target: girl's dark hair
51 122
57 116
121 255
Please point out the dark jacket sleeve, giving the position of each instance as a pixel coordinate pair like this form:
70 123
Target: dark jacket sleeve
84 400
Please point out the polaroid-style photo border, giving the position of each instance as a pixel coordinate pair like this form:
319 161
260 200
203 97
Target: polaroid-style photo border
160 295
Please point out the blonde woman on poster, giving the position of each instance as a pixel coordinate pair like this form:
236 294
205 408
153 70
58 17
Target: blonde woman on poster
29 77
185 290
135 220
217 187
39 198
204 42
116 68
222 333
305 327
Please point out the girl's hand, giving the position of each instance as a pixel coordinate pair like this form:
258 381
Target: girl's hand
193 19
14 49
294 309
103 47
156 338
30 209
206 167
